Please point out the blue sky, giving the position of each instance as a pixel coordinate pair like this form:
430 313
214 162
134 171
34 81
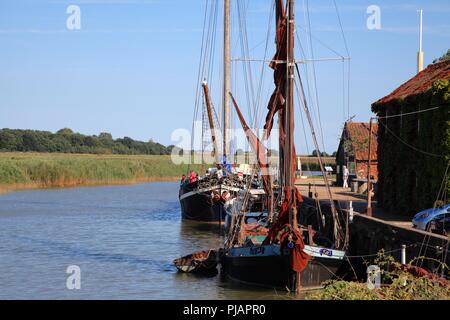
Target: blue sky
131 70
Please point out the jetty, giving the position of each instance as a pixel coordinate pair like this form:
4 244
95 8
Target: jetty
393 233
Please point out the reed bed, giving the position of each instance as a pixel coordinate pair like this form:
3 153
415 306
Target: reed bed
48 170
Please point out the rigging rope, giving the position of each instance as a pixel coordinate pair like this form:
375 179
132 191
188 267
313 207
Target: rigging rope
316 90
409 113
409 145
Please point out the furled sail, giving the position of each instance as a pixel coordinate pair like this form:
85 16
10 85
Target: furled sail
278 64
258 148
285 228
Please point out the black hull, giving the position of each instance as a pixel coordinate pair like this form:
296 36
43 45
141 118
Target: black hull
199 207
274 271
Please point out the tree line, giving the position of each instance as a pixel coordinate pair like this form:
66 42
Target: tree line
67 141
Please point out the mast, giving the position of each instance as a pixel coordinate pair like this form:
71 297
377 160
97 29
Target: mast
420 53
226 79
211 121
289 112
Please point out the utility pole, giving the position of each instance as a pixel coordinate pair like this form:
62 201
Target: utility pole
420 53
369 183
226 80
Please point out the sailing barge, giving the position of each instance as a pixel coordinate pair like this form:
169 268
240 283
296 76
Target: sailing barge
282 253
203 199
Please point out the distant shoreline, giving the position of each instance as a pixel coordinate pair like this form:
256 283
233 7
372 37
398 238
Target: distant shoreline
22 171
6 188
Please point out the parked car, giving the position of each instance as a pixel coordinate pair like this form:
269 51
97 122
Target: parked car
423 219
441 225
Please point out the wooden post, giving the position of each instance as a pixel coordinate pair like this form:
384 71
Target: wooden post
369 184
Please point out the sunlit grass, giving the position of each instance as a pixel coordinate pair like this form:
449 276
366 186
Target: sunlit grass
59 170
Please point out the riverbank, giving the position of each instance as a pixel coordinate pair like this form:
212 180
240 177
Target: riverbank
19 171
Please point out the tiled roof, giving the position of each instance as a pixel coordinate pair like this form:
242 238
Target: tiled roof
420 83
358 134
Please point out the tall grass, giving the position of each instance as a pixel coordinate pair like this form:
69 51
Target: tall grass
24 170
43 170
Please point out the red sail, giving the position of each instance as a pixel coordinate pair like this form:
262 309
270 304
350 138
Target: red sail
278 64
284 229
258 148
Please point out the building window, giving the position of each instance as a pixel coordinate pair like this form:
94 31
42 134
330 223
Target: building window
351 167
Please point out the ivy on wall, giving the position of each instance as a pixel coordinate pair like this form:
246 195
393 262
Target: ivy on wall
414 150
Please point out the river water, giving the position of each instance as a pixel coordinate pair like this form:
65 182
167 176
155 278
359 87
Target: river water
122 238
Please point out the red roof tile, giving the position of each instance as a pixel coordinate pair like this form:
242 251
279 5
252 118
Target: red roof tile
420 83
358 134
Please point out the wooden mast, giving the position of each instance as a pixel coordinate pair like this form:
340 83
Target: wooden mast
289 113
211 120
226 80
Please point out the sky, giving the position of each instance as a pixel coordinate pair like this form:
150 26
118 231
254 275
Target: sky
131 69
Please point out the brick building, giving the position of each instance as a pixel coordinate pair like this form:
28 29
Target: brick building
354 149
414 142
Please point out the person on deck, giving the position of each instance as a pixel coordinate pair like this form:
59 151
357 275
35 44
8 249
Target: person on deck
183 179
193 177
345 174
219 172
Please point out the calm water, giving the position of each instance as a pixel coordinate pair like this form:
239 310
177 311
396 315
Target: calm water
123 238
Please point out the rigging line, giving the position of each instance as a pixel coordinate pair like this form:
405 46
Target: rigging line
243 52
348 55
337 226
305 55
348 89
409 113
424 246
314 75
376 254
409 145
321 42
263 68
444 196
199 75
342 29
213 41
304 61
252 90
308 168
207 62
343 91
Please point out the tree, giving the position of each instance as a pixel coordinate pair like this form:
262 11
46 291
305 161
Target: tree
315 153
65 131
65 140
8 140
444 57
105 136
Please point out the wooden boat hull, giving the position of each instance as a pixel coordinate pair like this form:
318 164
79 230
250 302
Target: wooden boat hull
272 270
199 207
198 262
